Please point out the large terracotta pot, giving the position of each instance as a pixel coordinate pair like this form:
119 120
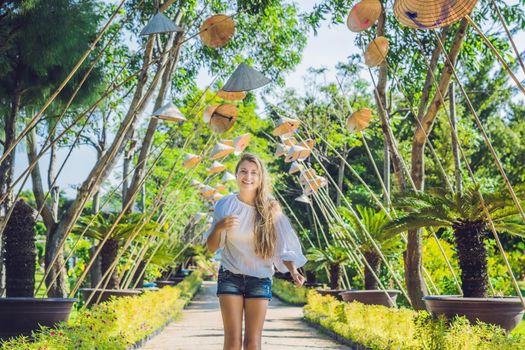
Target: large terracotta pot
372 297
505 312
336 293
102 295
20 316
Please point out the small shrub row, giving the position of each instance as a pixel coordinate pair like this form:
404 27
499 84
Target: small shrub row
379 327
287 292
114 325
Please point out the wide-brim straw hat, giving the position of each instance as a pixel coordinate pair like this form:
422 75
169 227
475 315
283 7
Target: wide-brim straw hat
207 191
307 175
308 143
220 187
359 120
231 96
363 15
286 126
227 177
216 167
376 52
159 24
223 117
191 160
217 30
295 168
303 198
220 151
297 152
315 184
421 14
281 150
241 142
245 78
169 112
289 141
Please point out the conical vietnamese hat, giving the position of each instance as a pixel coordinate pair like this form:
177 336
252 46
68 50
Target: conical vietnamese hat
159 24
245 78
303 199
363 15
297 152
191 160
281 150
295 167
315 184
286 126
207 191
206 115
223 117
376 52
220 151
220 187
228 142
169 112
420 14
241 142
228 177
216 167
217 30
217 196
231 96
290 141
359 120
308 143
195 183
307 175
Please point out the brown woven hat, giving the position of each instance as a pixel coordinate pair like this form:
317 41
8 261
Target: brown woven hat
309 143
169 112
220 151
363 15
290 141
241 142
216 167
207 191
286 126
217 30
307 175
359 120
220 188
231 96
297 152
295 167
221 118
227 142
424 14
315 184
281 150
191 160
376 52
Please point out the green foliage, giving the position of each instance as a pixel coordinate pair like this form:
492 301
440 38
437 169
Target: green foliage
288 292
116 324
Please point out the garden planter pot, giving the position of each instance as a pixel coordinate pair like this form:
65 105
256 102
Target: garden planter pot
372 297
333 292
505 312
20 316
102 295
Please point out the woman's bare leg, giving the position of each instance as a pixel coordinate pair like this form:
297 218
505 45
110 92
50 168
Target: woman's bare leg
231 311
254 315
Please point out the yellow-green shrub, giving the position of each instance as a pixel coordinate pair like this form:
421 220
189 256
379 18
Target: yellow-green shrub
288 292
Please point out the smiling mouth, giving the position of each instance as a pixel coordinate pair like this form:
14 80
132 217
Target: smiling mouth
247 183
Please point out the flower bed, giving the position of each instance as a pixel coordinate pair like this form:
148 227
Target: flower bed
378 327
288 293
117 324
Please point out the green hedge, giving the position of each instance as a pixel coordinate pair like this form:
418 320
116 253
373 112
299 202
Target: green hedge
379 327
114 325
287 292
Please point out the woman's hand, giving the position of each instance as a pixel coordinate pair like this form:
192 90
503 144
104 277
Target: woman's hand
228 223
298 279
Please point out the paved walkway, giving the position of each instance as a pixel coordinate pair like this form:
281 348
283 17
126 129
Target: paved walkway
201 328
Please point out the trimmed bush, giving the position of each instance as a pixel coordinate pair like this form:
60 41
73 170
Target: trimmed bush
114 325
288 293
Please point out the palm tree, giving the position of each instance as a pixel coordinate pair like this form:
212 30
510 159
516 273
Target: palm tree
374 223
331 257
464 213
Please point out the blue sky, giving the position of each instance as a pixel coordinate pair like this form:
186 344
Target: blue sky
332 44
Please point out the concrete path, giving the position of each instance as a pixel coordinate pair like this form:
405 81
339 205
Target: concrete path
201 328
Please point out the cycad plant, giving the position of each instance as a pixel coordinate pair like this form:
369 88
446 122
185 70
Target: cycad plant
464 213
372 222
331 257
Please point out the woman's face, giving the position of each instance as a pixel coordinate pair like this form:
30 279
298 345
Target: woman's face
248 176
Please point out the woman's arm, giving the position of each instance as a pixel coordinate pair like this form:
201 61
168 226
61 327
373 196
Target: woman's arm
214 239
297 277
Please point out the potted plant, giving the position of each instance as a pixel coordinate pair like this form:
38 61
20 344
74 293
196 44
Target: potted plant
372 222
332 258
464 214
20 312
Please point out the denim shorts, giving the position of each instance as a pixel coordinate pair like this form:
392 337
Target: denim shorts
244 285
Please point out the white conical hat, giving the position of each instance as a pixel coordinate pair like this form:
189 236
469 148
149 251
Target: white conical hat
216 167
240 143
286 126
159 24
295 167
281 150
303 199
220 151
191 160
228 177
297 153
169 112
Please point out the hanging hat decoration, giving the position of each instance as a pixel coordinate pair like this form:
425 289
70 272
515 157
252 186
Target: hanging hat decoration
307 175
217 30
228 143
297 153
169 112
363 15
309 143
359 120
216 167
191 160
159 24
290 141
303 199
227 177
241 142
220 151
421 14
217 196
195 183
207 191
315 184
221 118
295 167
286 125
281 150
220 187
199 216
245 78
376 52
231 96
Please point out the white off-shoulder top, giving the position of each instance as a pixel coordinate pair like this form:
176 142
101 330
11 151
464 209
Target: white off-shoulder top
238 254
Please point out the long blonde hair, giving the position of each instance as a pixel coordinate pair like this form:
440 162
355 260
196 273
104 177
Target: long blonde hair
264 228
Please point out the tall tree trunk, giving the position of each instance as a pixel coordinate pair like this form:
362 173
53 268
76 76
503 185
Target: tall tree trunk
335 276
108 255
374 260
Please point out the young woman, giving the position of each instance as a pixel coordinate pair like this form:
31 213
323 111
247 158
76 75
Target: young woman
255 235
